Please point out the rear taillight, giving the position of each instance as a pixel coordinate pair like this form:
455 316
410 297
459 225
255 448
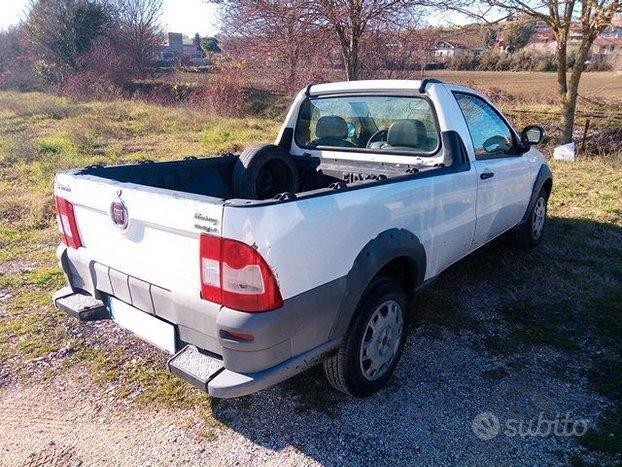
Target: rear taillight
67 223
236 276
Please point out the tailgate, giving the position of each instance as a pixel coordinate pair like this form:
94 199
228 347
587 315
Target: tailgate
160 244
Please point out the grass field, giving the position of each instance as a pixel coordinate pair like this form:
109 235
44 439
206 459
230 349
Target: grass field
574 310
535 86
531 86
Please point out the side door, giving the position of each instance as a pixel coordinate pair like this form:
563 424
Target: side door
504 176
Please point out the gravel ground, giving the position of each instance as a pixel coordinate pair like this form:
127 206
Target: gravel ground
425 417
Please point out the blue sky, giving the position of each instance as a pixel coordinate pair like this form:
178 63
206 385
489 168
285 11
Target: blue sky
186 16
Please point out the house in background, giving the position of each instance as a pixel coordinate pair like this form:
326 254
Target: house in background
446 50
542 41
608 46
180 49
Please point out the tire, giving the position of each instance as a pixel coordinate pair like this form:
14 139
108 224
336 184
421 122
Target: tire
263 172
530 234
349 370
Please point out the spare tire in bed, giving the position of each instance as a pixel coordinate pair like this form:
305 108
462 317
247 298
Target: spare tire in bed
263 172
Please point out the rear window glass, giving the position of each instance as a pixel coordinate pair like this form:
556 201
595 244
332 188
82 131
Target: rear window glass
371 123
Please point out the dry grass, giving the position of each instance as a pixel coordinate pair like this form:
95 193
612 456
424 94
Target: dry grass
533 86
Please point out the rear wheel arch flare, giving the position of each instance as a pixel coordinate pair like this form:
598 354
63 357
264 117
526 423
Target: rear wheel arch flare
391 249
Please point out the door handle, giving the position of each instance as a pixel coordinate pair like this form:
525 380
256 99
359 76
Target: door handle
485 175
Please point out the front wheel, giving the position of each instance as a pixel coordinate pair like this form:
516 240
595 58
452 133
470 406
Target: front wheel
530 233
373 345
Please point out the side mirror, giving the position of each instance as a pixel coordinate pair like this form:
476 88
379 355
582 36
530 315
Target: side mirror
532 134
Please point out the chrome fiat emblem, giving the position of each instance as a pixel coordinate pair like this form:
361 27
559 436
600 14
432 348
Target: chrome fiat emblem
118 214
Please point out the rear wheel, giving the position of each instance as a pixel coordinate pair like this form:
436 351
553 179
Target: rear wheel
372 347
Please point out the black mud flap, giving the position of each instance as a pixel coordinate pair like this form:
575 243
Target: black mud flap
195 367
80 305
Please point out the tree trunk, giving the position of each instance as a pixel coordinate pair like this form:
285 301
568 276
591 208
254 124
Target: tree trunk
570 103
567 107
353 68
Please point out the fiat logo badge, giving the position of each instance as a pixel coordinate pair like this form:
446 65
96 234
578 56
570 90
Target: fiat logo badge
118 214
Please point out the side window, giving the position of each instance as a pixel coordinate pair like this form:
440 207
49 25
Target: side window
491 136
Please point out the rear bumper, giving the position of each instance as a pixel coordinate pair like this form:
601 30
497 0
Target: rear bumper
284 340
231 384
225 383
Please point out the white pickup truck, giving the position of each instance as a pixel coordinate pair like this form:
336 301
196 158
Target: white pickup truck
250 269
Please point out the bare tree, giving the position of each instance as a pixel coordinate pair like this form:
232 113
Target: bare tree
592 16
138 32
17 57
423 42
276 41
351 20
347 23
398 52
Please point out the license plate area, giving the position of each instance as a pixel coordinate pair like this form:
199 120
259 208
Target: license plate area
147 327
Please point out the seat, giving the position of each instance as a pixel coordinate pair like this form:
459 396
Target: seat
405 135
332 130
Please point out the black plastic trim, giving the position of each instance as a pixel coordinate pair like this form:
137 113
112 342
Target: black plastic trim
378 252
95 313
426 81
286 139
455 153
544 174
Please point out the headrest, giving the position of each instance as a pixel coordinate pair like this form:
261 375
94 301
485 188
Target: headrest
409 133
331 126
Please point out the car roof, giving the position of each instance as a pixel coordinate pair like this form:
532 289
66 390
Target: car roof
365 85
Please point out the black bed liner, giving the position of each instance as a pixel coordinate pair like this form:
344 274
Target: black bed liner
212 176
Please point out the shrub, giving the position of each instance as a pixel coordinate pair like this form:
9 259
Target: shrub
604 141
467 61
545 63
102 73
223 96
522 60
17 67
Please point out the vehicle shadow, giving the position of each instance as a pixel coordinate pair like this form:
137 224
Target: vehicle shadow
508 332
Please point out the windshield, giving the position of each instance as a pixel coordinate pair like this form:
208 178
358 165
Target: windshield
370 123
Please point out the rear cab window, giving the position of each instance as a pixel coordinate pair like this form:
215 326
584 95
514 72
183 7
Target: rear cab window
378 124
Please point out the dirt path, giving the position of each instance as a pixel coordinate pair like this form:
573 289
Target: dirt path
65 425
71 425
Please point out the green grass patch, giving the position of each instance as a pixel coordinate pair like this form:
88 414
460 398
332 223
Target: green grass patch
49 278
